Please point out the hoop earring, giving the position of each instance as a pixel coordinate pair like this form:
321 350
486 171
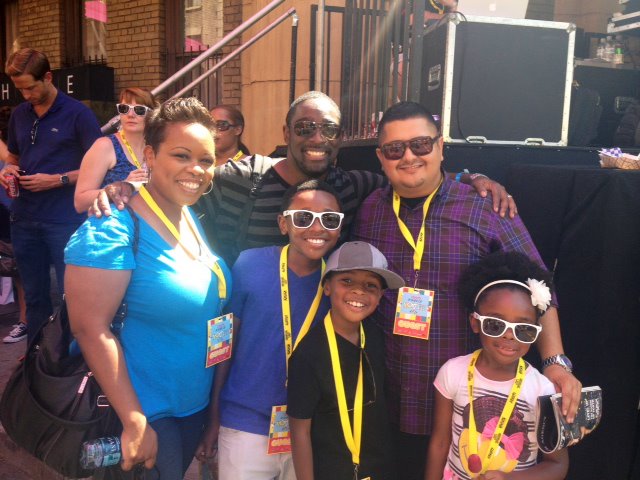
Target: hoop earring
210 188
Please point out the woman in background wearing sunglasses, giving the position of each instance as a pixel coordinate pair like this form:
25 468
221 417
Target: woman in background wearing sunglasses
119 156
229 128
506 295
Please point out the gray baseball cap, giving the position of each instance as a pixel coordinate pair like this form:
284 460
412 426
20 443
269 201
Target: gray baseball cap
362 256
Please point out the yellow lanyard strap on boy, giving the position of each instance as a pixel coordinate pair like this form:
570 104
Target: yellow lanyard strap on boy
351 437
286 306
208 261
477 465
238 156
131 153
418 246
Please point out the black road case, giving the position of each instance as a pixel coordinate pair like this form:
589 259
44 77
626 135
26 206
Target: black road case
499 80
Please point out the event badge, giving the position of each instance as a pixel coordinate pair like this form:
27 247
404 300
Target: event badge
219 339
279 435
413 312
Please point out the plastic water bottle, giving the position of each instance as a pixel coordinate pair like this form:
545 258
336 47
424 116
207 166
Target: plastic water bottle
101 452
618 55
609 50
600 49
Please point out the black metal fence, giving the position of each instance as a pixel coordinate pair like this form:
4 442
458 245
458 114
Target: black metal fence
378 54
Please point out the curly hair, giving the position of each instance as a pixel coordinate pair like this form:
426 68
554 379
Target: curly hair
498 266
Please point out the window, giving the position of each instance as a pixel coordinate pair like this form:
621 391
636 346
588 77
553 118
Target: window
94 30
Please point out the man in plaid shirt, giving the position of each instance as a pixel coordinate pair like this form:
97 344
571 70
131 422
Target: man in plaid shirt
460 228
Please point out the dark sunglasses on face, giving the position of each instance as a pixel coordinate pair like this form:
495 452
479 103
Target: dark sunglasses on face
306 129
496 327
419 146
223 125
305 218
140 110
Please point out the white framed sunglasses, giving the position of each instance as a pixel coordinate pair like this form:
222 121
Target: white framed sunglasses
140 110
496 327
305 218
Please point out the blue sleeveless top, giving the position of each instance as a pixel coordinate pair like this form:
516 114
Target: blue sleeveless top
122 168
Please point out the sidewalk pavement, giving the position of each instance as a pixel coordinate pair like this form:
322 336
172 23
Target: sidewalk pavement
16 463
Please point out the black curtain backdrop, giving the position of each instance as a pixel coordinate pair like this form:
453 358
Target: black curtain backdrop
586 223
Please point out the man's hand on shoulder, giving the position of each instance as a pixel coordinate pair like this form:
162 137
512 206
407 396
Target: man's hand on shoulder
503 203
118 193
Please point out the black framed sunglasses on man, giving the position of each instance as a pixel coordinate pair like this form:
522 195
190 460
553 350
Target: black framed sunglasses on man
419 146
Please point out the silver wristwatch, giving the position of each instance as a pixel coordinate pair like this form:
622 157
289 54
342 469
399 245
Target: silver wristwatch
559 359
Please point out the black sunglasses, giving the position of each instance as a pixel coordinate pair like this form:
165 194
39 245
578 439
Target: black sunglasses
223 125
306 129
305 218
34 131
140 110
495 327
419 146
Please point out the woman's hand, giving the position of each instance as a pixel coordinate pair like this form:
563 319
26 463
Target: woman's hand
138 175
139 445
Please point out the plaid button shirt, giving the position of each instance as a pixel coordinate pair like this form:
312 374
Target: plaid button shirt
461 228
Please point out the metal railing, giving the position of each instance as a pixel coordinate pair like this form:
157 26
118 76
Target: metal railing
203 56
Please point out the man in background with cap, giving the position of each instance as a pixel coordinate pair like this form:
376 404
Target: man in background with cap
430 228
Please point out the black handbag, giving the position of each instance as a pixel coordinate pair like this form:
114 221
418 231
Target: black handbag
52 403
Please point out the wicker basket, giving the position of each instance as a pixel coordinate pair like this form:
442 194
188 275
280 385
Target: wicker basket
624 161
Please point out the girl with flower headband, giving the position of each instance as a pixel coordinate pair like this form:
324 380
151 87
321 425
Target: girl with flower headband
484 416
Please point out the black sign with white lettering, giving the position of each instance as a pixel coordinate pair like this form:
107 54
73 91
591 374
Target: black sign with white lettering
86 82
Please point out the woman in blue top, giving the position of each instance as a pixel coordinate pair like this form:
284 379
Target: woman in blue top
154 375
119 156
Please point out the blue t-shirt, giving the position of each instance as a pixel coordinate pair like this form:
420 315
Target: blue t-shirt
169 300
123 166
61 138
257 377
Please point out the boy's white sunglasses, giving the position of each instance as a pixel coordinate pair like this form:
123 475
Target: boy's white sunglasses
305 218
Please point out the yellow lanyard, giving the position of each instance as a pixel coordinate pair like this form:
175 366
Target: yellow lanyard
131 153
208 260
286 306
238 156
504 417
418 246
351 437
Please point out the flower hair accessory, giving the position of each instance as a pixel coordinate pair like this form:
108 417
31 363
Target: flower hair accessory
540 294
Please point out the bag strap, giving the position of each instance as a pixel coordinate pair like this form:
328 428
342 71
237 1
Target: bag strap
260 167
118 319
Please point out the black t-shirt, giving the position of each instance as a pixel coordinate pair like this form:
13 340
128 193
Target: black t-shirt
311 394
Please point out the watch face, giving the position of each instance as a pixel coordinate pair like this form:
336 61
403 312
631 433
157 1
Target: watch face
64 179
566 362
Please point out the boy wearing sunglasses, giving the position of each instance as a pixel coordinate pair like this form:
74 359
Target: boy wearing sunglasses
485 402
276 298
431 228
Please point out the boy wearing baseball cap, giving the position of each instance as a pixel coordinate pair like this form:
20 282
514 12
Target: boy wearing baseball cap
336 405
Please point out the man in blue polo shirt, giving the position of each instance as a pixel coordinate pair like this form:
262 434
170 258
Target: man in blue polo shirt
48 136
